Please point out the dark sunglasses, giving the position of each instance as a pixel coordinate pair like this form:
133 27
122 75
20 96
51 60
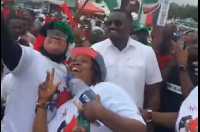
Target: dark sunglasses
117 23
52 33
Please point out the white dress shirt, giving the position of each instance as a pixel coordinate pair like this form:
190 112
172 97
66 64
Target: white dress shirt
131 68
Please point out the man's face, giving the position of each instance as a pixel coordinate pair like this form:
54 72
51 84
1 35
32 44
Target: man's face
16 27
117 25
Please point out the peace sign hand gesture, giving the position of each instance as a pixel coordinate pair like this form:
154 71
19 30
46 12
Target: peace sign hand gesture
48 88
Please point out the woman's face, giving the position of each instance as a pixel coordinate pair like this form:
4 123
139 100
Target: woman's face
55 42
81 67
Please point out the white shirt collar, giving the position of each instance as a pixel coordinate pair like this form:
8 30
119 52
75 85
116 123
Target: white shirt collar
130 42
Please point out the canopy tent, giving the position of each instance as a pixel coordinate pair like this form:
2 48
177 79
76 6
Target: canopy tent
188 21
111 4
90 7
70 3
103 6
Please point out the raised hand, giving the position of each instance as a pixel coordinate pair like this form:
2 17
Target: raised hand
180 54
48 88
92 110
133 6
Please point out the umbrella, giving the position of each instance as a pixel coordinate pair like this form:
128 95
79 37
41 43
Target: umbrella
90 7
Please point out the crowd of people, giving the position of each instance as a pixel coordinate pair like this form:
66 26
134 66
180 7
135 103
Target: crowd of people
140 86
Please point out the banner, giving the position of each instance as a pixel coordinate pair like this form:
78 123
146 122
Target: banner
153 12
164 10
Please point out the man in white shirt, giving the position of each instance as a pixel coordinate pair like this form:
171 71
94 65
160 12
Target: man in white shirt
93 22
129 63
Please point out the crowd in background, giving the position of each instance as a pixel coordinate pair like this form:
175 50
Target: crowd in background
145 78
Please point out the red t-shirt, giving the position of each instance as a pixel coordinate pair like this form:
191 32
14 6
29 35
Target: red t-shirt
85 34
39 41
5 13
51 19
162 60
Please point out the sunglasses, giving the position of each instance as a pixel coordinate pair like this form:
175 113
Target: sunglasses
52 33
117 23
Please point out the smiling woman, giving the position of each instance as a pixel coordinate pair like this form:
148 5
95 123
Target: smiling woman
58 36
88 66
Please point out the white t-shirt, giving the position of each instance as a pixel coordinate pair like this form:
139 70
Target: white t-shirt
6 86
93 22
132 68
112 97
188 114
26 77
4 72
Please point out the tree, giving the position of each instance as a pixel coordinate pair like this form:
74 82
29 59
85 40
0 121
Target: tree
184 11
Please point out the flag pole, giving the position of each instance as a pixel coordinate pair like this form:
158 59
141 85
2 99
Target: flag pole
79 10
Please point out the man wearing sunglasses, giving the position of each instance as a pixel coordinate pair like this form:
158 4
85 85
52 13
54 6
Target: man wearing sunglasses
28 68
129 63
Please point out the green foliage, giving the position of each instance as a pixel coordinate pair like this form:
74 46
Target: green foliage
182 12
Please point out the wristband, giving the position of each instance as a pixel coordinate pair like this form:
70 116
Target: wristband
149 118
42 105
182 68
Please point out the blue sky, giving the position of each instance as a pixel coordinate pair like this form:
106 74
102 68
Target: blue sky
192 2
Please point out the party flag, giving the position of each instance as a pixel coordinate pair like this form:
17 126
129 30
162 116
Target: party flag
153 12
65 8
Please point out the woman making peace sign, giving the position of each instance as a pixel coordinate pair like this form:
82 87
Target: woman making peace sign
112 106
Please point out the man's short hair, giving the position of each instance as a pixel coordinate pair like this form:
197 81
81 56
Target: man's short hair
11 17
128 14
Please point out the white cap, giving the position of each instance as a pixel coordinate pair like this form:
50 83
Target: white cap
42 16
132 2
98 28
82 17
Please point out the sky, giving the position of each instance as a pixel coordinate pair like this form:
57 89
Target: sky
192 2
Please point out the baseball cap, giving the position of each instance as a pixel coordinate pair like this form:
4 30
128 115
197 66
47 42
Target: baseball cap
42 16
95 55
